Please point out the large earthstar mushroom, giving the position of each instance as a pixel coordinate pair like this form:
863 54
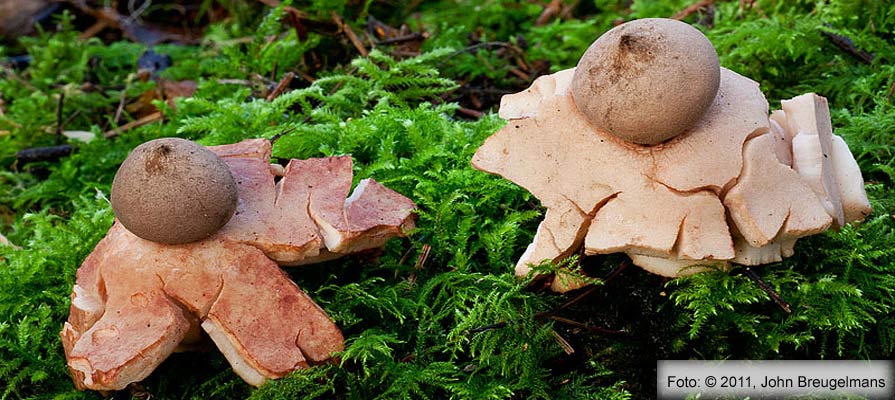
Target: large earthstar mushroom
650 148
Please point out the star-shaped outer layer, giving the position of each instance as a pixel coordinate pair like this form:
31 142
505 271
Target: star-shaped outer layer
666 205
136 301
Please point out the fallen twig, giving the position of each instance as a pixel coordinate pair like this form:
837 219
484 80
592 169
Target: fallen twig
470 112
94 29
403 38
277 137
281 86
35 154
304 75
121 100
567 11
423 257
351 35
770 291
566 346
848 46
550 10
692 8
521 74
156 116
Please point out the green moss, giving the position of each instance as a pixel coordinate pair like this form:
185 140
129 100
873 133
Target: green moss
439 314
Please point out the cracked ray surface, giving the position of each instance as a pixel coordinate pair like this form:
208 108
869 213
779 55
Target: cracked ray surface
136 301
667 205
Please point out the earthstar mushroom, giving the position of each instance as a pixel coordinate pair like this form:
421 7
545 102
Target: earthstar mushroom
136 301
735 185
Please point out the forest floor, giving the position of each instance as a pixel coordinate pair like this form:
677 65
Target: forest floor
410 90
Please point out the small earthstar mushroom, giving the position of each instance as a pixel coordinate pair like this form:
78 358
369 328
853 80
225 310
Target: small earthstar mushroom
135 301
173 191
650 148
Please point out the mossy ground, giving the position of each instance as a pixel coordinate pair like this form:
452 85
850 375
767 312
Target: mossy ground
439 314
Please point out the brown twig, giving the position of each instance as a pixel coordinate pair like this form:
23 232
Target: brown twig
154 117
577 298
476 102
94 29
550 11
470 112
423 257
121 100
521 74
277 137
263 79
351 35
566 346
281 86
769 290
369 39
304 75
401 39
294 18
847 45
692 8
567 11
419 264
